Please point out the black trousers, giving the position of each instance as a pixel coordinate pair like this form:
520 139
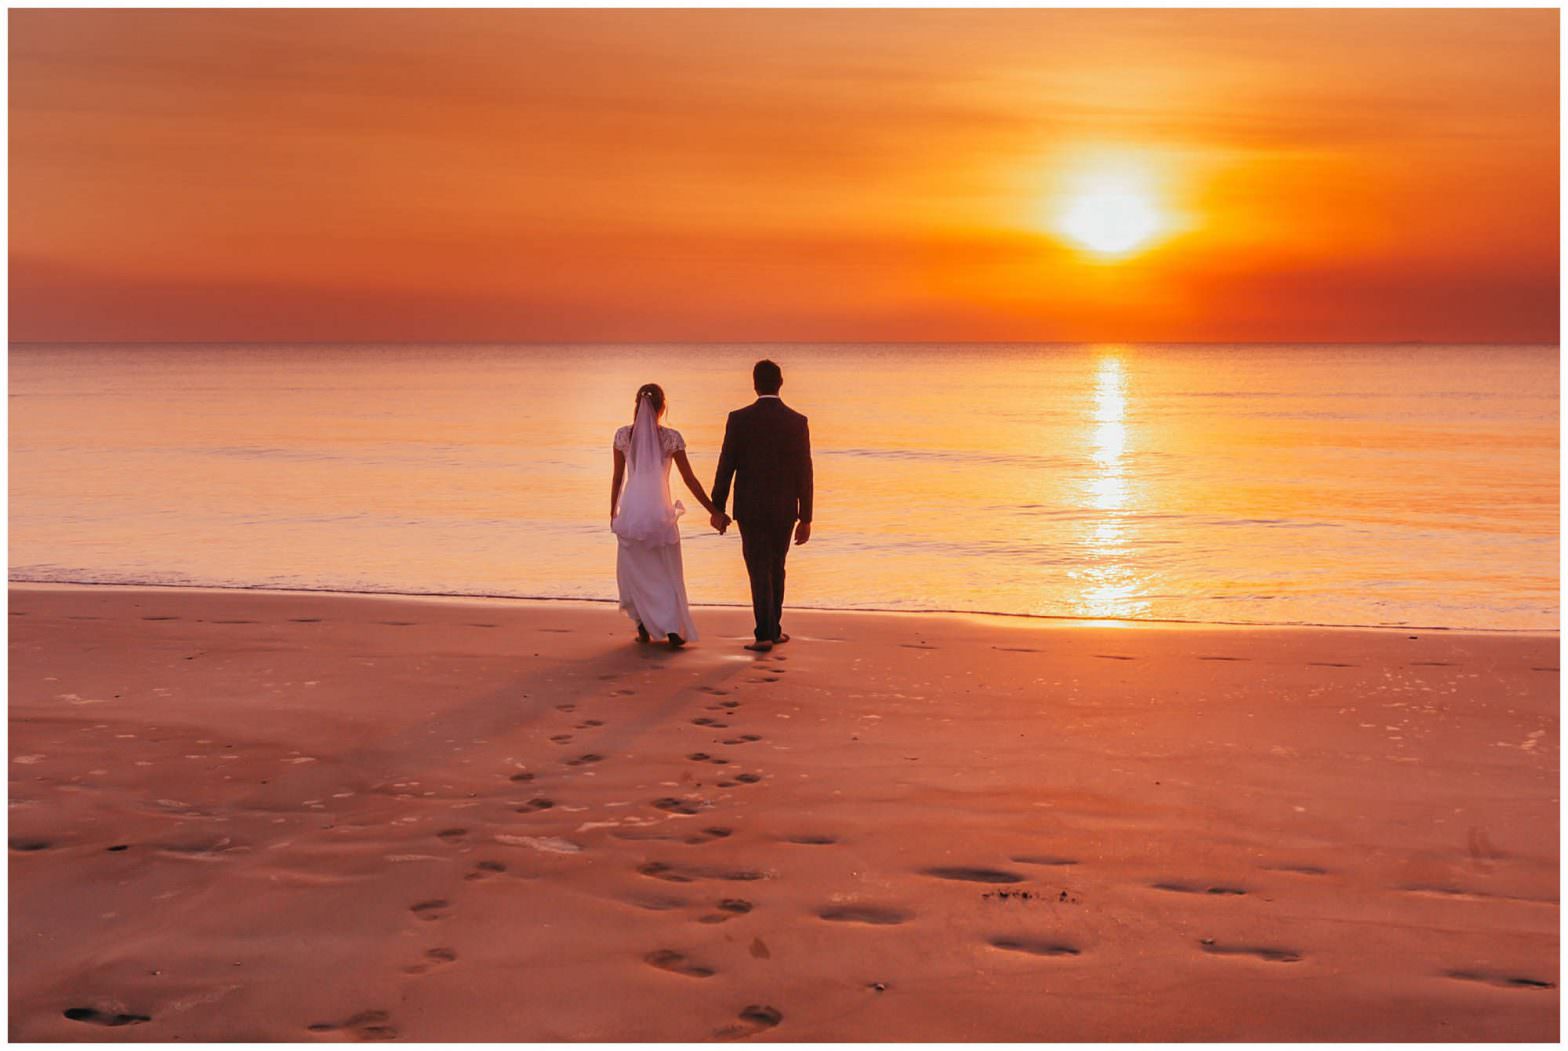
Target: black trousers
764 544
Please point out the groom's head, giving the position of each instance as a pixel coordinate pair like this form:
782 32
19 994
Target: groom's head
766 377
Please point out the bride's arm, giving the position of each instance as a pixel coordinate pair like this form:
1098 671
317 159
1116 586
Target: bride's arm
691 480
615 482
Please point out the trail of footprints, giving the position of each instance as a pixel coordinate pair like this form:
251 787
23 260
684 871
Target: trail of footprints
753 1018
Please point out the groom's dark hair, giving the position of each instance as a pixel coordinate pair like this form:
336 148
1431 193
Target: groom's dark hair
766 377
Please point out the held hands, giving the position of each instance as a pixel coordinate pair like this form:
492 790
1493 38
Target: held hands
720 521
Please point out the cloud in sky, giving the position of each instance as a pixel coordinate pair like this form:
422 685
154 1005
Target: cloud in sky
754 175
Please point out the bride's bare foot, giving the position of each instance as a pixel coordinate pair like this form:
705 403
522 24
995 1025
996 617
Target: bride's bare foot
676 642
642 633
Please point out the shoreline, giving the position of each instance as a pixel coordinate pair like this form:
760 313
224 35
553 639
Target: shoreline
1048 618
301 816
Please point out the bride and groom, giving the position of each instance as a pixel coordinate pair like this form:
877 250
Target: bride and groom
766 453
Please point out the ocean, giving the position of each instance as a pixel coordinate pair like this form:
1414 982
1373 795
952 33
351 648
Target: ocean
1411 485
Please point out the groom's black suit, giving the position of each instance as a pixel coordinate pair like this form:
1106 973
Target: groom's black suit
767 451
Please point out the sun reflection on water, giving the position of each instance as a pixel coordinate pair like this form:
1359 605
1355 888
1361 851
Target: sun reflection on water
1110 587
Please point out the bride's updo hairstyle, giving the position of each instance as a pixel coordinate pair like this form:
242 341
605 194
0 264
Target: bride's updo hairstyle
653 393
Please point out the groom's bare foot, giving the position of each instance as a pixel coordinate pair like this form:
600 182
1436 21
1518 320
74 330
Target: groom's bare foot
760 646
676 642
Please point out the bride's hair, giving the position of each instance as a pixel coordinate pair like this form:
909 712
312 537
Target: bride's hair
655 394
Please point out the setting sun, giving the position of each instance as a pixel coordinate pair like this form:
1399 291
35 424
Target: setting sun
1110 221
1110 205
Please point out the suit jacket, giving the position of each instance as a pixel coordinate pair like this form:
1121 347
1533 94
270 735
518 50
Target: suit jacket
767 451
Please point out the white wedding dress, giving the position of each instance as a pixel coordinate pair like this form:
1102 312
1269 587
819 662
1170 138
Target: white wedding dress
648 558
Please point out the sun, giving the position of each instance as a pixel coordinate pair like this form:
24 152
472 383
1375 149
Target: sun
1110 222
1109 204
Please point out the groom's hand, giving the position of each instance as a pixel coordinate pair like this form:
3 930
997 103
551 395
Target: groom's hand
719 520
802 532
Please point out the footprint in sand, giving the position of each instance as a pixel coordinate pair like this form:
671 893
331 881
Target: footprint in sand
1261 952
1300 870
677 963
875 915
729 704
27 846
452 835
813 840
585 759
1114 657
974 875
534 805
1493 978
672 805
367 1025
1042 859
475 624
1187 888
434 909
708 835
92 1016
1328 664
1035 946
566 707
754 1018
703 720
304 620
748 779
691 874
485 869
433 958
160 618
729 908
657 902
1222 658
397 623
586 723
522 777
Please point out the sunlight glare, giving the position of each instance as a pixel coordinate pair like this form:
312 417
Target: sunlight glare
1110 206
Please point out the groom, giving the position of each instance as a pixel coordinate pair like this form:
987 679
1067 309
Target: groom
767 450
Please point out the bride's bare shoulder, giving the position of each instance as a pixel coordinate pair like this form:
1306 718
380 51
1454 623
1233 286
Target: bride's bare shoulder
622 437
673 442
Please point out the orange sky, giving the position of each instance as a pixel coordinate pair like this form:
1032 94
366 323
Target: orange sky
778 175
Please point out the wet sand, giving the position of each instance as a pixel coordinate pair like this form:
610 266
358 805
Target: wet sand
250 816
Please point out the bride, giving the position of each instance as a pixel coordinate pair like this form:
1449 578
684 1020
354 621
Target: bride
648 562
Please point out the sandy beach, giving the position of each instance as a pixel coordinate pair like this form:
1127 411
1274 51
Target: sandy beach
259 816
